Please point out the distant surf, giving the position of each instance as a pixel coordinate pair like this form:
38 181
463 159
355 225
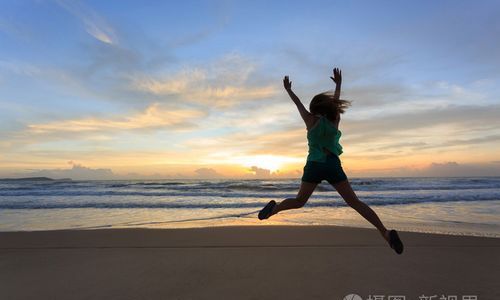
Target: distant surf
225 199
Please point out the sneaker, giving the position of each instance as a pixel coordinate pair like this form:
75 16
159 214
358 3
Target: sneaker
266 211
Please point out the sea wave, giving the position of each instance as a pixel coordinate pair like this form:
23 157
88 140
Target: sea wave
23 188
374 201
199 194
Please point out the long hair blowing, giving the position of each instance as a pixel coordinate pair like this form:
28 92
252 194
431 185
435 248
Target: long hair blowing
325 104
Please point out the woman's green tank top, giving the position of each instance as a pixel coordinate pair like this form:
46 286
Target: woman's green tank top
323 134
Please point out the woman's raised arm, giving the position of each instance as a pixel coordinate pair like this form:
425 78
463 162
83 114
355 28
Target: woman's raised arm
306 116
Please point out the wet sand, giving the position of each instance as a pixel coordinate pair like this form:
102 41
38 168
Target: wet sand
254 262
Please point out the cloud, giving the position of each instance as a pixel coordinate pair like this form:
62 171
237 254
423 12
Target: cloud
397 145
434 169
153 117
379 95
463 142
77 172
454 168
263 173
463 116
224 83
260 172
94 24
207 173
443 143
228 81
280 143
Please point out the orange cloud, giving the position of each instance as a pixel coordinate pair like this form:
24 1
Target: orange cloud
152 117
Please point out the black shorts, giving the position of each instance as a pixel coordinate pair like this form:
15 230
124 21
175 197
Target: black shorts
330 170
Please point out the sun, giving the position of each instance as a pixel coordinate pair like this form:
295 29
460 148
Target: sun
267 162
270 162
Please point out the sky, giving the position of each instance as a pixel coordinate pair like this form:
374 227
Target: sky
193 89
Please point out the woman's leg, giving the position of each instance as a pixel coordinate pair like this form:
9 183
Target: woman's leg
305 191
345 190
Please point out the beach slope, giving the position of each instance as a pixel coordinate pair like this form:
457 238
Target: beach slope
254 262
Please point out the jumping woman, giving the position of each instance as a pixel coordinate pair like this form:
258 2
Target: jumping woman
323 161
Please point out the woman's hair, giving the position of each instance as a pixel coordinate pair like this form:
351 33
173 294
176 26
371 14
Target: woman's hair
325 104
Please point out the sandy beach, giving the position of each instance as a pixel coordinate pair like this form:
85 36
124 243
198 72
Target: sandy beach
254 262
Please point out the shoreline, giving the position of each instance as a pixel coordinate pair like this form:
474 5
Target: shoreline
458 234
403 227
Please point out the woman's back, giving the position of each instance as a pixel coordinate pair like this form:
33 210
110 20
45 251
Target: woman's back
323 135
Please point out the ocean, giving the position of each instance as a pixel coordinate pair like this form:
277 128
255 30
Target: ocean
459 206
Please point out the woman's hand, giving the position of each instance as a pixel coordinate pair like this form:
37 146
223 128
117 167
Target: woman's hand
287 83
337 76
